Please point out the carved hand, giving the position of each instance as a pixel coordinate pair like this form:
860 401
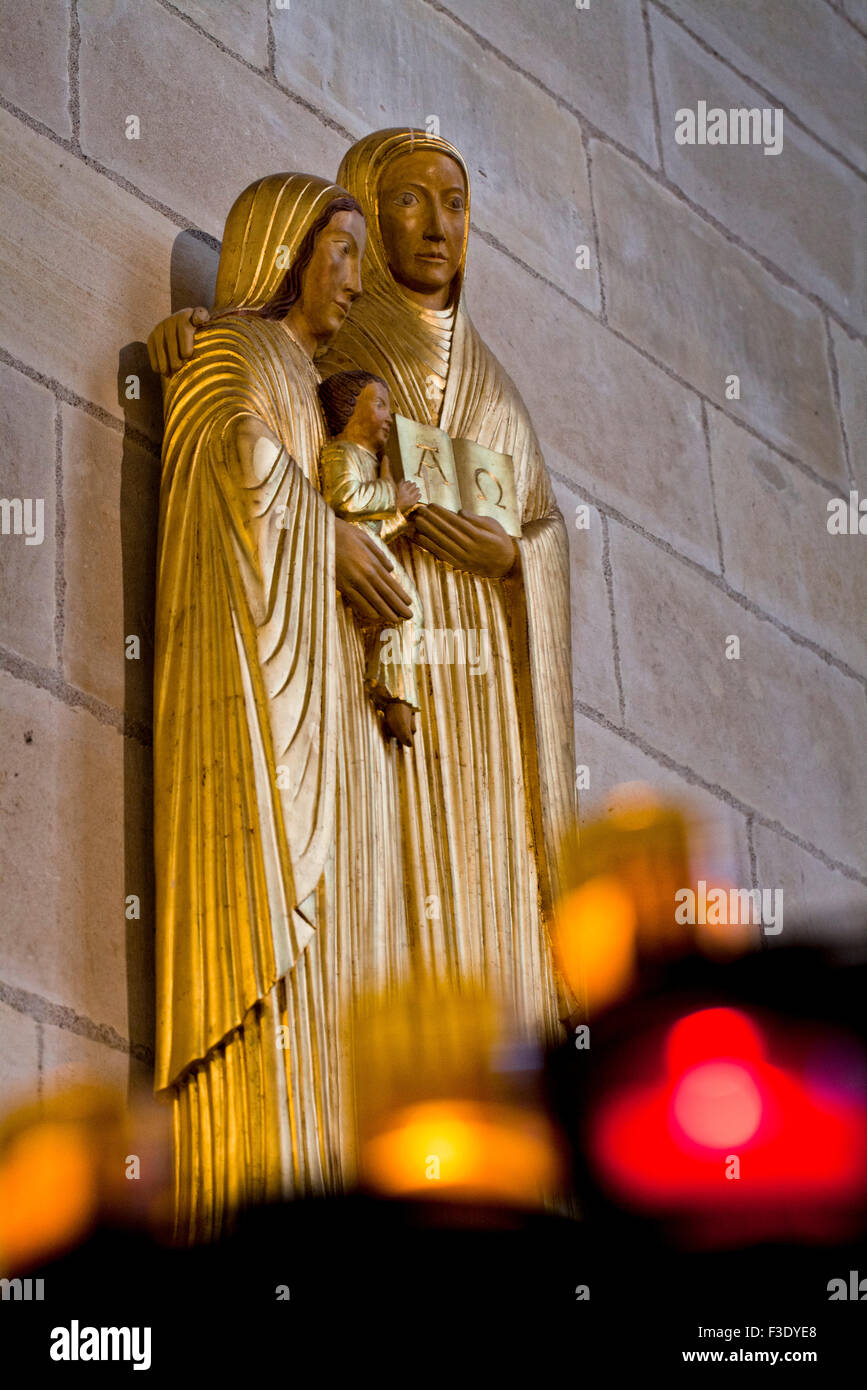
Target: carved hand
475 543
172 342
400 721
364 577
407 495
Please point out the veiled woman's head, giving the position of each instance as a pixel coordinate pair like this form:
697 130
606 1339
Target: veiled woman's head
325 276
414 190
293 243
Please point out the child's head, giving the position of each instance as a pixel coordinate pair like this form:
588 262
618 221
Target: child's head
357 405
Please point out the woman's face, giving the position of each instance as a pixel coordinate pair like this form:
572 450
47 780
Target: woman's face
422 212
332 280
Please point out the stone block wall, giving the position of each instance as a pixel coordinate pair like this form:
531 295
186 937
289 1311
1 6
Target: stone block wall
707 510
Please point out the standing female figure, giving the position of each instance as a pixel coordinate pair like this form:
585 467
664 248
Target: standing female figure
277 873
487 791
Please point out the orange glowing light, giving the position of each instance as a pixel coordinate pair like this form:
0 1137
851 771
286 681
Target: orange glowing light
596 940
461 1149
48 1192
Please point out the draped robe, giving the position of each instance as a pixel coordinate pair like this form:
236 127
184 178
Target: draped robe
278 877
267 922
487 789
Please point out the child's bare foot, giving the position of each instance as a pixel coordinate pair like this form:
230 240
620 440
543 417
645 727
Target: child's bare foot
400 721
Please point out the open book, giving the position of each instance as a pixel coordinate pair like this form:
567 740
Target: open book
455 473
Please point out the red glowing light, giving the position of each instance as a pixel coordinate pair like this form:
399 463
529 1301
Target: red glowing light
712 1034
717 1104
666 1144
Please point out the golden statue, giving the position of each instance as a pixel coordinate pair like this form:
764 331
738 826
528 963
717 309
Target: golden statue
493 771
267 895
283 885
356 481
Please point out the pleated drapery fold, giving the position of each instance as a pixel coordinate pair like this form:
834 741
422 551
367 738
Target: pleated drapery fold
488 786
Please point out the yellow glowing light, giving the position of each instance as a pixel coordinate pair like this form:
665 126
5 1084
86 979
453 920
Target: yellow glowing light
461 1149
596 939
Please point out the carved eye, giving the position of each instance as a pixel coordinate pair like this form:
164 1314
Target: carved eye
406 199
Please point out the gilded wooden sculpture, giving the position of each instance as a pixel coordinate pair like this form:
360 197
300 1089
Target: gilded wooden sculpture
356 481
302 853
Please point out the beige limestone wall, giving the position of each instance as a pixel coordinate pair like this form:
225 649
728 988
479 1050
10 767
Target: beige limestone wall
707 514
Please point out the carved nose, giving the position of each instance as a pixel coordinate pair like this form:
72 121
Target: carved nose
435 230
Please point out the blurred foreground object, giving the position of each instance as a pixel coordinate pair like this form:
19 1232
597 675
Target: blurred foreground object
726 1107
79 1159
717 1097
621 878
451 1104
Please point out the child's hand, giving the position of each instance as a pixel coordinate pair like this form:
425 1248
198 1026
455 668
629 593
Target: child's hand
408 494
400 721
